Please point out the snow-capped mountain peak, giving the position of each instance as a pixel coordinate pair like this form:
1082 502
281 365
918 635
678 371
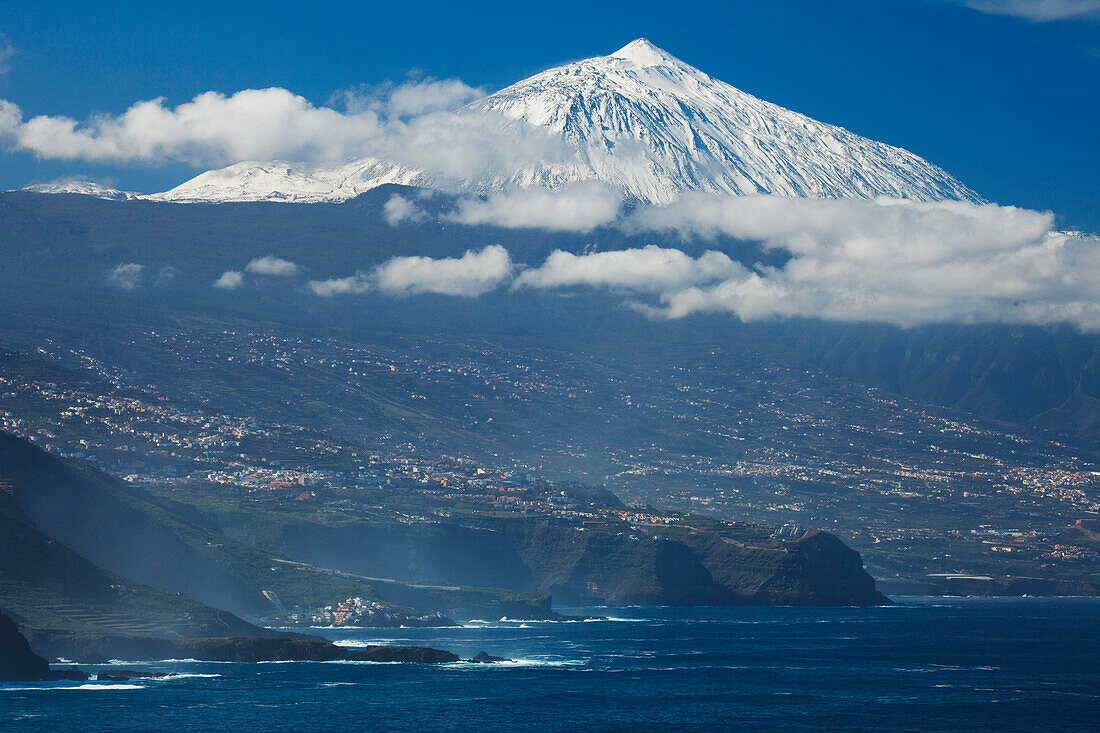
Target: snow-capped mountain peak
639 120
642 52
654 126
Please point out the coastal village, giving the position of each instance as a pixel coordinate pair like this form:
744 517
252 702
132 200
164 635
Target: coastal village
351 613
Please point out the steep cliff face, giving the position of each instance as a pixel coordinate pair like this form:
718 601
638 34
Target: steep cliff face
696 568
821 570
108 546
19 664
137 557
17 661
672 566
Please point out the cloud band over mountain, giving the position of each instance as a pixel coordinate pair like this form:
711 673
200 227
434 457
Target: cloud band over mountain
406 124
889 261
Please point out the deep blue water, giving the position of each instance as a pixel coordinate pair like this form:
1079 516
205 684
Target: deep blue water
929 664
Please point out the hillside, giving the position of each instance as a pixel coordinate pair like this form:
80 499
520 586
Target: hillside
19 663
126 531
699 562
47 588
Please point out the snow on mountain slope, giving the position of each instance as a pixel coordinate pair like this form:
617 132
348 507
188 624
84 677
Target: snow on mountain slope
644 121
85 188
290 182
639 120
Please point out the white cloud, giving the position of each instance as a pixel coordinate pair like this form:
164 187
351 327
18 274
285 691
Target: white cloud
11 117
400 209
340 286
229 280
272 265
408 126
125 276
211 128
475 273
411 99
648 269
430 95
472 274
890 261
1034 286
575 207
472 145
1039 11
883 228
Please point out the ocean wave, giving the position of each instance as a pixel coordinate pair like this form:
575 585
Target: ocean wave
46 686
148 662
617 620
515 623
514 663
360 643
317 661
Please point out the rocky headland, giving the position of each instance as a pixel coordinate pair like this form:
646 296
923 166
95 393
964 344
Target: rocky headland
18 663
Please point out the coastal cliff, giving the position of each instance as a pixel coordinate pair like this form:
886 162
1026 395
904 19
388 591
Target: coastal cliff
699 562
18 663
696 565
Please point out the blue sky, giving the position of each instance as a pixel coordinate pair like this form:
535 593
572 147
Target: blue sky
1004 94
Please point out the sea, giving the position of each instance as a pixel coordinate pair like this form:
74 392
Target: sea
925 664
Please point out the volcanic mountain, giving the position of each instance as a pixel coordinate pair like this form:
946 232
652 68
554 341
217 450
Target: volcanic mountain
639 120
653 126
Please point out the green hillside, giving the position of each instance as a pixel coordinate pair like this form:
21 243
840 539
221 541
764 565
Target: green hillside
126 531
47 588
698 562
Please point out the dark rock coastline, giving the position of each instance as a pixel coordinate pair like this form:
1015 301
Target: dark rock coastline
19 664
288 648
